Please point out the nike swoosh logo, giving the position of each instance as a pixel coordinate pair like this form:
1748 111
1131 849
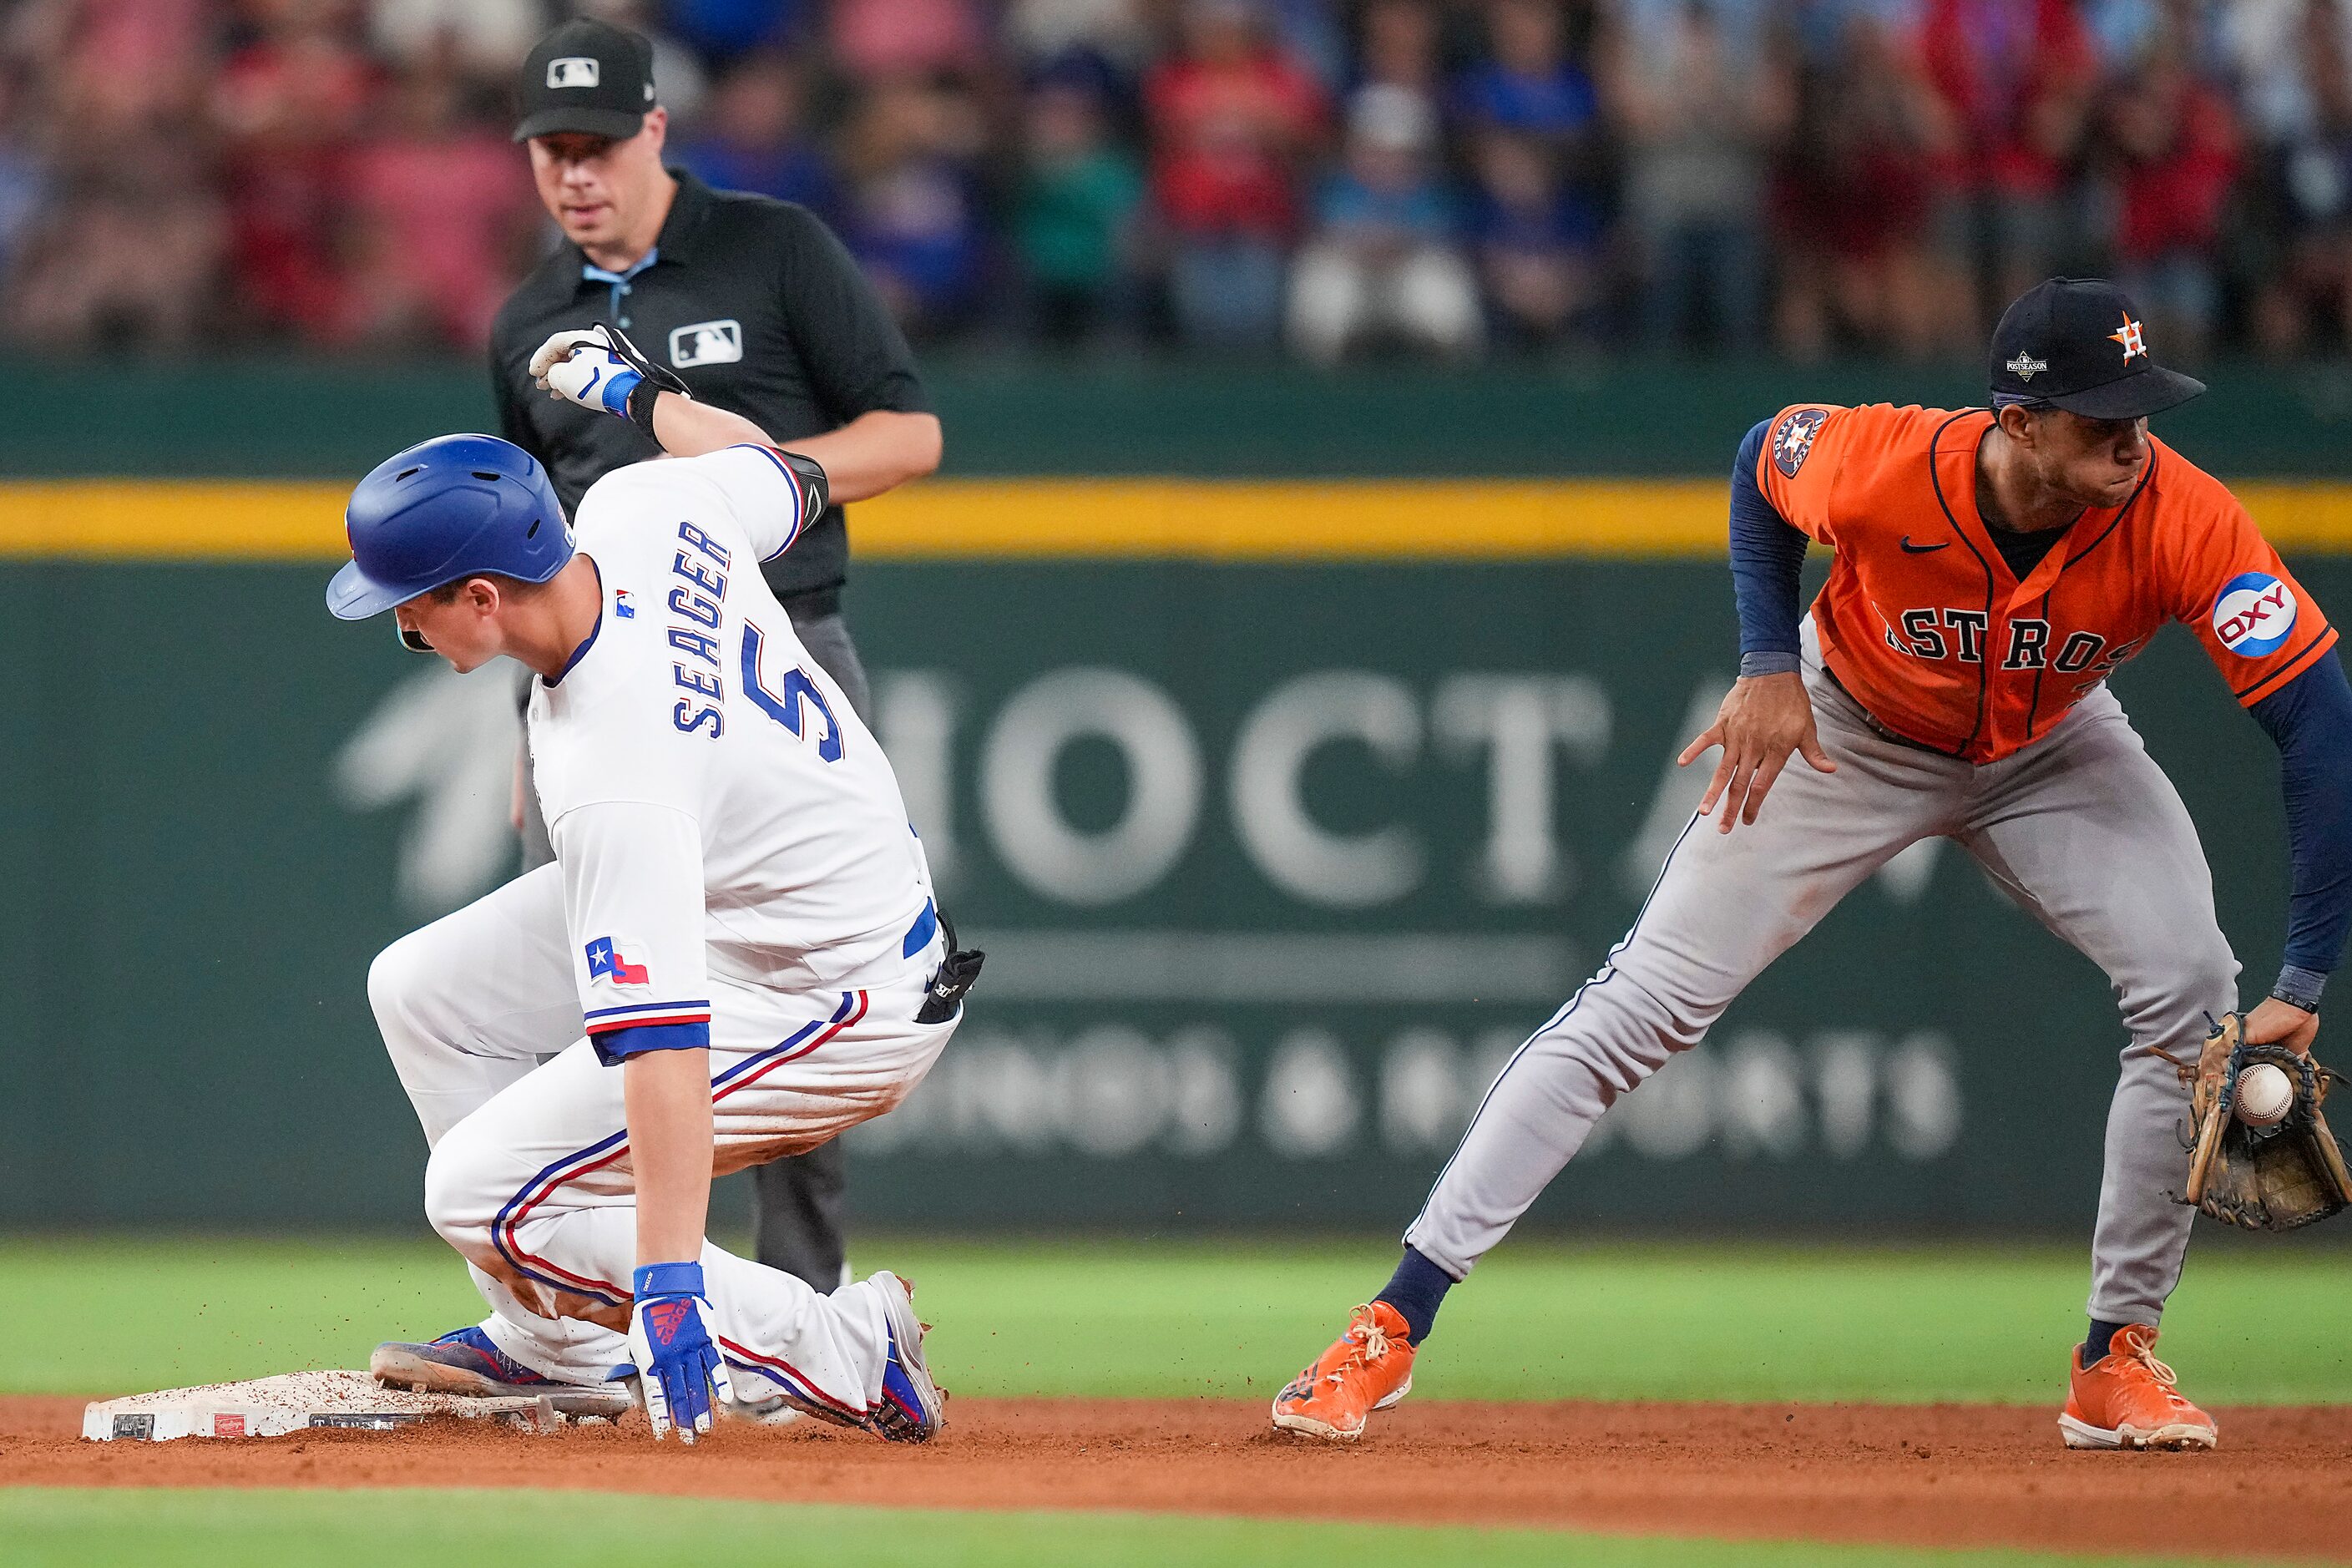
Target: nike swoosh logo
1911 549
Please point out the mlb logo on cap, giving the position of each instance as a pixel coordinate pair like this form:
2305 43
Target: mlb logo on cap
587 78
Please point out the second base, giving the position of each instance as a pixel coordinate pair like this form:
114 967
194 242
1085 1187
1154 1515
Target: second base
309 1400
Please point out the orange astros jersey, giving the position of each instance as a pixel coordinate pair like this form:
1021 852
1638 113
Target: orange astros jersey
1929 629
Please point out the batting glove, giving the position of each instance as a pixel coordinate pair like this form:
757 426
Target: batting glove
555 349
677 1367
599 368
580 367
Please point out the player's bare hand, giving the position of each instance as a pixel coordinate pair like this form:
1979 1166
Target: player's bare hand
1762 719
2274 1022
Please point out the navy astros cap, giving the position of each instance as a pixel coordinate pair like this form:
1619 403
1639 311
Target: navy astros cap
2077 343
588 77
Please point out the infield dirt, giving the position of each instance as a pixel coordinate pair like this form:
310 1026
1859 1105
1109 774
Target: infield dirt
1915 1474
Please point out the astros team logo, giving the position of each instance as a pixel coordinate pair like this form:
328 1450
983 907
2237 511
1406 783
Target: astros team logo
608 959
2134 340
2254 615
1793 442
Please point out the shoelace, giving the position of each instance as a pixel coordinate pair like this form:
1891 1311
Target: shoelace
1372 1343
2144 1351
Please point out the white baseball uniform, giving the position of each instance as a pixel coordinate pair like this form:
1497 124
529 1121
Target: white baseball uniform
734 868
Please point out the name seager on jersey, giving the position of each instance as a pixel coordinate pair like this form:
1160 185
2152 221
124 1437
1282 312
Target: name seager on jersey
717 807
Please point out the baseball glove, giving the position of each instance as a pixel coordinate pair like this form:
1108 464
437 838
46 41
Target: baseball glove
2265 1178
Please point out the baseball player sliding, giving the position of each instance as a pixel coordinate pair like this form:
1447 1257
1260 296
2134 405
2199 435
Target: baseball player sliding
1992 569
735 955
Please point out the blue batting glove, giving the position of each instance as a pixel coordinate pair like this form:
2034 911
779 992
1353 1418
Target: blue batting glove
678 1366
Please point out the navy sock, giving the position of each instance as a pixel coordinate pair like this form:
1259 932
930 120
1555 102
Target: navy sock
2095 1346
1415 1290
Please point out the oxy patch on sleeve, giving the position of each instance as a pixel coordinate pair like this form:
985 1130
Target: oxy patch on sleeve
2253 613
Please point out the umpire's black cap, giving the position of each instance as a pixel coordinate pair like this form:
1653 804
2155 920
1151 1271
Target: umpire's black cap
587 75
2077 343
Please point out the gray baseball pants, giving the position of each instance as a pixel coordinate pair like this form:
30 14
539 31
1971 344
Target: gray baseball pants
797 1201
2080 828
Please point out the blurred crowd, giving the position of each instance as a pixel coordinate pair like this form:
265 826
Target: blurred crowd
1328 178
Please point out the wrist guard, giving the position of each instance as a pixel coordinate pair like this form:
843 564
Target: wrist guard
654 380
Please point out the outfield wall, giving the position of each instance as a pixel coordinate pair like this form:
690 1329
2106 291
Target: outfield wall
1275 860
279 420
1285 809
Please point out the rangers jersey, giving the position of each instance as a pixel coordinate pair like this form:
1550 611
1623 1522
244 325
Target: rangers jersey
1925 624
717 808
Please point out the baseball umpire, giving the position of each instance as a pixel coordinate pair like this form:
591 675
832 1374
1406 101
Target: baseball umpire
1993 568
759 308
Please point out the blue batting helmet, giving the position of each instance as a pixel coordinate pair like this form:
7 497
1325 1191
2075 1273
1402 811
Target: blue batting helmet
446 510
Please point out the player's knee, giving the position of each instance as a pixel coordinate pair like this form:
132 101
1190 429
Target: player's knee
394 983
1570 1074
2183 986
455 1203
1621 1032
2214 974
2206 974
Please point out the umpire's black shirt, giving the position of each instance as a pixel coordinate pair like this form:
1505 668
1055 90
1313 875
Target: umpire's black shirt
759 309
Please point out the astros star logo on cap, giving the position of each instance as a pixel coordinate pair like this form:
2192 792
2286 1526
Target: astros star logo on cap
2133 341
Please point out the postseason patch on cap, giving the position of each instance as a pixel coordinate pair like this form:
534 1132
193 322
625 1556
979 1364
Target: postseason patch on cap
1793 443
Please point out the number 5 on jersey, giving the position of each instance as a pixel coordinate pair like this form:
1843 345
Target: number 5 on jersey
798 688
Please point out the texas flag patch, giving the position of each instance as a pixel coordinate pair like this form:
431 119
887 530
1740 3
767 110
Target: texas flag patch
607 960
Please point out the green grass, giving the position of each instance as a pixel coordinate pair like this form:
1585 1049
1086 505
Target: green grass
1090 1316
1096 1317
159 1529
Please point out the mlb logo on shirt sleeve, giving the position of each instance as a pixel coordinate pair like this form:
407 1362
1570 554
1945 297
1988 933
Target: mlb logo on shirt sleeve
707 343
2253 613
608 959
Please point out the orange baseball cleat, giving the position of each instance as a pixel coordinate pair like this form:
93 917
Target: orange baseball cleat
2128 1399
1368 1368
